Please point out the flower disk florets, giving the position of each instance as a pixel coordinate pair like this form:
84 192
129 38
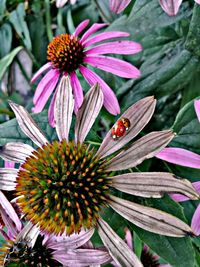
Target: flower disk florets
20 254
65 53
64 186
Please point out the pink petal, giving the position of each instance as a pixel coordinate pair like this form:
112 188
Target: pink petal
81 27
171 7
9 164
113 65
104 36
197 1
77 91
45 89
195 224
117 6
51 110
95 27
110 100
60 3
197 108
180 156
118 47
129 238
40 71
181 198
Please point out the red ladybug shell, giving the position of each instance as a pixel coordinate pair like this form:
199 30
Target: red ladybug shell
120 127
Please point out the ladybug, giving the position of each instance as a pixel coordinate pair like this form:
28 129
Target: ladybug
120 128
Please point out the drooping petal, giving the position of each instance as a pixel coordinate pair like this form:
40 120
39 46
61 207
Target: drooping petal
153 184
64 105
197 108
195 224
17 152
81 257
8 178
28 125
110 100
81 27
117 6
145 148
9 164
113 65
29 233
51 118
129 238
40 71
118 249
181 198
45 89
150 219
69 242
88 112
171 7
104 36
60 3
95 27
77 91
118 47
180 156
139 115
8 208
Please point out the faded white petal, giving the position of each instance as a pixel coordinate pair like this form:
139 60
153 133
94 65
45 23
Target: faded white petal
139 115
88 112
81 257
150 219
145 148
8 178
28 125
69 242
153 184
29 233
118 249
64 106
17 152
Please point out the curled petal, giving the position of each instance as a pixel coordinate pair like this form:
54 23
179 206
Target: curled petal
95 27
181 198
171 7
81 27
139 115
118 249
150 219
113 65
64 105
88 112
29 233
180 156
17 152
117 6
145 148
40 71
197 108
28 125
153 184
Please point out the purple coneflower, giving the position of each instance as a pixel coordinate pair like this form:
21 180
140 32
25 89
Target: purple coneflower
24 244
63 186
68 54
117 6
171 7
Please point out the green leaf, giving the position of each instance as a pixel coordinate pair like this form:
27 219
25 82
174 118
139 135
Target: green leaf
178 252
2 8
193 38
11 132
7 60
17 18
187 128
6 39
